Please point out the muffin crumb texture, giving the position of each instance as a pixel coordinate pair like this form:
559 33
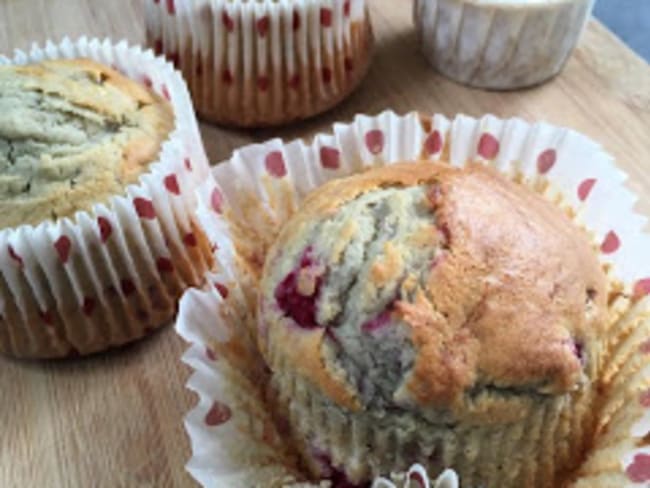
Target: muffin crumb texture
72 133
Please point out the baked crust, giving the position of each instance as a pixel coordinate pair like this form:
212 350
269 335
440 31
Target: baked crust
72 133
514 301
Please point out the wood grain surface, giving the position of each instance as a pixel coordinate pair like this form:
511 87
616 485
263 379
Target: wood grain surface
116 419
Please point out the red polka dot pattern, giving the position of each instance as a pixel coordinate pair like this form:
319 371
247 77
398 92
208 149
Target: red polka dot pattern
274 163
346 8
188 164
639 470
546 160
222 289
642 288
165 93
326 17
433 143
190 240
294 81
295 22
171 7
216 200
147 81
584 189
164 265
105 228
63 245
144 208
330 157
228 23
14 256
171 183
374 140
611 243
88 306
263 83
127 286
417 477
488 146
263 26
218 414
210 354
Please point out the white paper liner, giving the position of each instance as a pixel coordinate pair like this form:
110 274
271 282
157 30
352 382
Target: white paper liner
257 63
563 165
108 275
500 44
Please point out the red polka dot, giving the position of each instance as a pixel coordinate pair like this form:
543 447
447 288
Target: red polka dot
263 26
263 83
211 355
216 200
171 8
326 17
433 143
105 228
639 470
488 146
14 256
296 20
156 2
175 59
147 81
375 141
127 286
417 477
611 243
546 160
222 289
274 163
46 316
218 414
165 93
88 306
642 288
226 77
346 8
190 240
188 164
171 183
584 189
348 64
63 246
330 157
144 208
294 81
164 265
158 49
228 23
327 74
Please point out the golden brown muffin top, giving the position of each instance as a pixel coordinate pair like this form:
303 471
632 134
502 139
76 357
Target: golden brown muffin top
72 133
424 284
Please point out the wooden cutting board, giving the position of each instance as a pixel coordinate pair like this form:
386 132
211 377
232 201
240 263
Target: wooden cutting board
116 419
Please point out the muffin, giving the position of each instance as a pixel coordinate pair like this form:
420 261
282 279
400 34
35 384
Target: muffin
251 63
424 313
96 238
500 44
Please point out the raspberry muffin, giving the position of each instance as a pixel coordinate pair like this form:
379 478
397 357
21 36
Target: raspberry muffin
88 257
424 313
261 63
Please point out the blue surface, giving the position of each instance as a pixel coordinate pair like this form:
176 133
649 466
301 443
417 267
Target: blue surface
629 20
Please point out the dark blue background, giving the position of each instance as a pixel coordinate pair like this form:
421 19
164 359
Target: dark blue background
630 20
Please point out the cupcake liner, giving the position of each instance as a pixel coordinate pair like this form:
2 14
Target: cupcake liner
500 44
108 275
258 189
265 62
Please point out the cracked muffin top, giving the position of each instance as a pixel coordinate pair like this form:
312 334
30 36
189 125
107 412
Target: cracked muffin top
420 285
72 133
